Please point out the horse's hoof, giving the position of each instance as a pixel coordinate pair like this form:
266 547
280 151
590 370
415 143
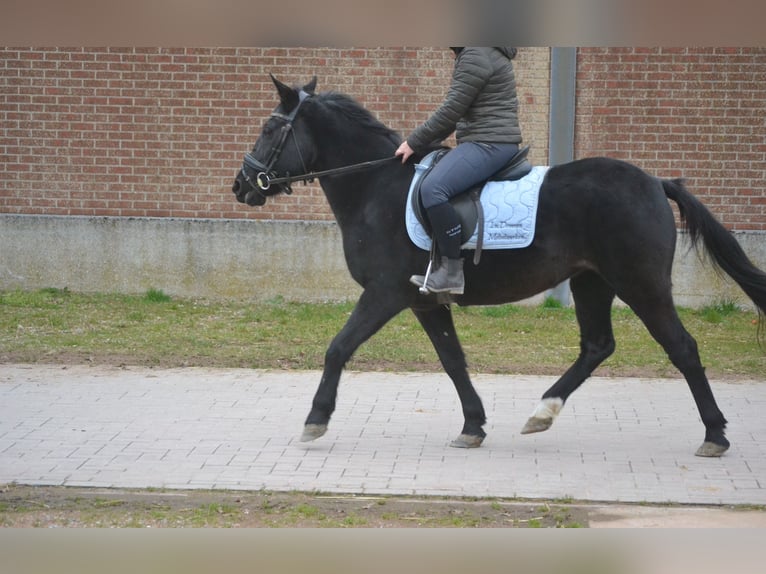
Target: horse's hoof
313 432
544 414
467 441
711 449
535 424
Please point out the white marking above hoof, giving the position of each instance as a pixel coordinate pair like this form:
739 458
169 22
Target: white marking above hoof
548 408
543 416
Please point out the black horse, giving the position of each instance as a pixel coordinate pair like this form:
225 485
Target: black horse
603 223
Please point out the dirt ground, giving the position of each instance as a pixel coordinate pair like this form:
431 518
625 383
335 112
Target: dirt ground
70 507
52 507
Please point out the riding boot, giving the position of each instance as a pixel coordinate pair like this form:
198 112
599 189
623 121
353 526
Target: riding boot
448 276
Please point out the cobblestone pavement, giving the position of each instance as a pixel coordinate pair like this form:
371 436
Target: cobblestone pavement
617 439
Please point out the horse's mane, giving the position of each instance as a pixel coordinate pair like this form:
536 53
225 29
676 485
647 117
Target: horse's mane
356 113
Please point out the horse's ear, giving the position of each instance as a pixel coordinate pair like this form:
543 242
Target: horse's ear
311 86
287 95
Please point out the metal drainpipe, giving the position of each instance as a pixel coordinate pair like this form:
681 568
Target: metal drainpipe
561 126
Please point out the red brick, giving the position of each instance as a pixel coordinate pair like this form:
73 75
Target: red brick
161 131
709 112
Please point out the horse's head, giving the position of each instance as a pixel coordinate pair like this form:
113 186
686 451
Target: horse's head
282 149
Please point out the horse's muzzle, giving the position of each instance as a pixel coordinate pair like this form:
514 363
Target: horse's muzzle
245 193
255 198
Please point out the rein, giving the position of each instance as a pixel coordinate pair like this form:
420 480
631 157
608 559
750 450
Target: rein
264 181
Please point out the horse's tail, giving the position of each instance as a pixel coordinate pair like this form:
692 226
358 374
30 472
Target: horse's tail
725 251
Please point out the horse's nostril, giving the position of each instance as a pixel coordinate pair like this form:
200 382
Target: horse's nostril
235 187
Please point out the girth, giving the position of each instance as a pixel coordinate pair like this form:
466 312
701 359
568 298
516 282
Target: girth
467 205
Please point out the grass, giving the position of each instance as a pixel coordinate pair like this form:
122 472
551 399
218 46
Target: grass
717 312
156 296
57 325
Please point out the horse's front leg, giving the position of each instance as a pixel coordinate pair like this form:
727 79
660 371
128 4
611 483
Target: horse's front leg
372 312
438 323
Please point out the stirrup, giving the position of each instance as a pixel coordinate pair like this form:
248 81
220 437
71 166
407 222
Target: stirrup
421 280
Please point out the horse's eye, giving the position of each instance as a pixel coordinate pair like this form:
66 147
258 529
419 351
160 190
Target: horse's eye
268 128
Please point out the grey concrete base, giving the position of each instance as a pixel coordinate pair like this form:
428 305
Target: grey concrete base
300 261
183 257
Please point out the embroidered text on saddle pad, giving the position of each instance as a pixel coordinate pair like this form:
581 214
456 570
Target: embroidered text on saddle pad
510 212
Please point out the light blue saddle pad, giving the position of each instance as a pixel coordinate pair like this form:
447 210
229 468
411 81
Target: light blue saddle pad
510 211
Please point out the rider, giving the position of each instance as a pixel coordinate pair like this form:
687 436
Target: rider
482 108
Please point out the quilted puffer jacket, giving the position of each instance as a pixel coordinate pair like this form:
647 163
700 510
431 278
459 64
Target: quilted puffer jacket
481 104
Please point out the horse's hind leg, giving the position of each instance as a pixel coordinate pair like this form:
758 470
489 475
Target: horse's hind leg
593 303
438 324
660 317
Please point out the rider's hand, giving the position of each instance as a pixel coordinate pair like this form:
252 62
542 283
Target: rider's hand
405 151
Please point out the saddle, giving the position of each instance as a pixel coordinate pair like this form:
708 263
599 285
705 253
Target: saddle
467 205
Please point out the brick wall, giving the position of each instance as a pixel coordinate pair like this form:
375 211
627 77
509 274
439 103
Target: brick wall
161 132
699 113
156 132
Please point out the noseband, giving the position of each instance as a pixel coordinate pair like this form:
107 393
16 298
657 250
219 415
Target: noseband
264 176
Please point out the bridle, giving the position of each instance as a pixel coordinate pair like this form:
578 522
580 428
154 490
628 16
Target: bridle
264 176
